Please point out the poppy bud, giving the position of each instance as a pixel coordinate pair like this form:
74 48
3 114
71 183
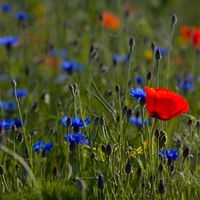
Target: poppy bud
108 149
100 182
55 171
174 19
158 55
186 152
149 76
153 46
129 113
161 187
1 170
131 42
128 168
117 88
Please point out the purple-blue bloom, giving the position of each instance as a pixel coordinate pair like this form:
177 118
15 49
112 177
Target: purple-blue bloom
22 93
40 145
187 83
7 123
9 41
163 51
8 106
22 16
170 155
78 138
138 93
5 7
139 80
70 66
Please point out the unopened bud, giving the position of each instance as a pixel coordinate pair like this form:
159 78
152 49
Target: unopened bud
55 171
13 83
128 167
1 170
153 46
149 76
131 42
100 182
161 187
186 152
174 19
117 88
158 55
109 149
129 113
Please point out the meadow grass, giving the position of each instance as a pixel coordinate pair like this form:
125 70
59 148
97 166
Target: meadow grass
78 133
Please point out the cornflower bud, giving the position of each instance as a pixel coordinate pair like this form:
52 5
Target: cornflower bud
186 152
161 187
55 171
117 88
100 182
174 19
128 167
149 76
108 149
1 170
158 55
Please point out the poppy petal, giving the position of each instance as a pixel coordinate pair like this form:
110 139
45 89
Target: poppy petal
164 104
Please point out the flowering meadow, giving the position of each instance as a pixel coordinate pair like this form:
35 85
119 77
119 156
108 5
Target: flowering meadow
99 100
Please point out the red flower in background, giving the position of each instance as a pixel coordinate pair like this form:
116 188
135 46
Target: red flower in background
110 20
164 104
192 34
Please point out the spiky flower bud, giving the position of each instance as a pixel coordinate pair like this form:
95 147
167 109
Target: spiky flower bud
103 148
92 155
69 121
124 110
129 113
35 107
55 171
102 121
161 187
108 149
131 42
174 19
72 146
71 88
186 152
100 182
13 83
153 46
20 137
128 167
149 76
189 121
139 172
80 185
158 55
13 128
117 88
157 133
1 170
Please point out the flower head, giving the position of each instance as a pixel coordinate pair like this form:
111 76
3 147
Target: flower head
78 138
110 20
9 41
8 106
22 93
40 145
70 66
22 16
6 7
170 155
7 123
138 93
164 104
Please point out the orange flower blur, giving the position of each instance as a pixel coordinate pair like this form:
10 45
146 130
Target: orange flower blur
192 34
110 20
164 104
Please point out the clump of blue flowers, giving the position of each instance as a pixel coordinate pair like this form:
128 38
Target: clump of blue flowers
76 123
41 146
170 155
6 124
22 93
70 66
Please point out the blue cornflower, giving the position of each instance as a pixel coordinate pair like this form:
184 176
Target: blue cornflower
40 145
170 155
9 41
163 51
22 16
8 106
78 138
70 66
6 7
77 123
7 123
22 93
117 58
139 80
136 121
187 84
138 93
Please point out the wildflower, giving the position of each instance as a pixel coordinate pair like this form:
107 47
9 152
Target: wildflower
138 94
100 182
186 84
170 155
7 123
163 51
9 41
22 16
164 104
78 138
110 20
8 106
5 7
40 145
22 93
136 121
70 66
161 187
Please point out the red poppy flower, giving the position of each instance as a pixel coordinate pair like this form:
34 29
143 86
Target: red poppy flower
110 20
164 104
192 34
